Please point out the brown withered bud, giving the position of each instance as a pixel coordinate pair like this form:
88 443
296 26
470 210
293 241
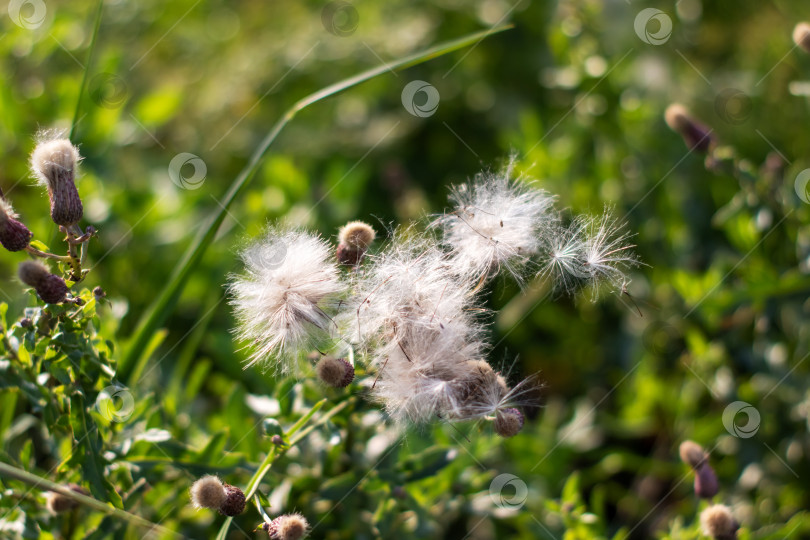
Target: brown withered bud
14 235
54 163
234 503
51 288
508 422
697 136
335 372
354 238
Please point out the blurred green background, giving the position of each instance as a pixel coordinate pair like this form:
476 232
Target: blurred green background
719 314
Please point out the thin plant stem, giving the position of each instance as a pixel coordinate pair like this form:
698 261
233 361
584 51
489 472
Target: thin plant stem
35 481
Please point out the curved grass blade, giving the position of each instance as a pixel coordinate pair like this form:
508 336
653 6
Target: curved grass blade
164 303
87 65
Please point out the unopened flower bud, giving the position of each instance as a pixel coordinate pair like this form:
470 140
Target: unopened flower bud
234 503
99 293
692 454
208 492
287 527
508 422
718 523
54 164
706 485
277 440
58 503
354 238
335 372
14 236
801 36
51 288
26 323
697 136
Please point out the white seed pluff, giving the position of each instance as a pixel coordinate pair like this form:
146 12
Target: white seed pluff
208 492
718 523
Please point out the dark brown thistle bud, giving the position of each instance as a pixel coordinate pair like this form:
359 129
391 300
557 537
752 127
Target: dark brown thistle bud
50 288
54 163
14 236
335 372
234 503
706 484
287 527
354 238
58 503
697 136
508 422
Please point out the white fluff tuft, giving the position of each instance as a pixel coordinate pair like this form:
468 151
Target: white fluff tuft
496 223
284 300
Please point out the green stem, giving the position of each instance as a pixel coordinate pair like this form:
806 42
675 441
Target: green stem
164 303
38 482
275 452
87 65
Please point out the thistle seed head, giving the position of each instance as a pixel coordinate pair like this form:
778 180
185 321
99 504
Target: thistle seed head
718 523
287 527
234 503
51 288
354 238
335 372
801 36
697 136
54 163
208 492
14 235
508 422
692 454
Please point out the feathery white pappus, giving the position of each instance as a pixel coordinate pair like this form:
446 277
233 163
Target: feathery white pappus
497 222
283 300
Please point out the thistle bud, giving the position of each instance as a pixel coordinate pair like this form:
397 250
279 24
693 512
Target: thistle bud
692 454
58 503
697 136
51 288
54 164
718 523
801 36
335 372
234 503
706 485
354 238
99 293
508 422
14 236
208 492
287 527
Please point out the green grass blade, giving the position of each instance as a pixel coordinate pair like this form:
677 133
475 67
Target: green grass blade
164 303
87 66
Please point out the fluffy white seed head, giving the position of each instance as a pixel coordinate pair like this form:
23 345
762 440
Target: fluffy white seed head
717 522
287 527
284 299
608 252
801 36
495 224
208 492
356 234
54 160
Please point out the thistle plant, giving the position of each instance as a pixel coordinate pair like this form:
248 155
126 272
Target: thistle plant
412 312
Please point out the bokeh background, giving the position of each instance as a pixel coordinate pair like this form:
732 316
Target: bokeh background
577 92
